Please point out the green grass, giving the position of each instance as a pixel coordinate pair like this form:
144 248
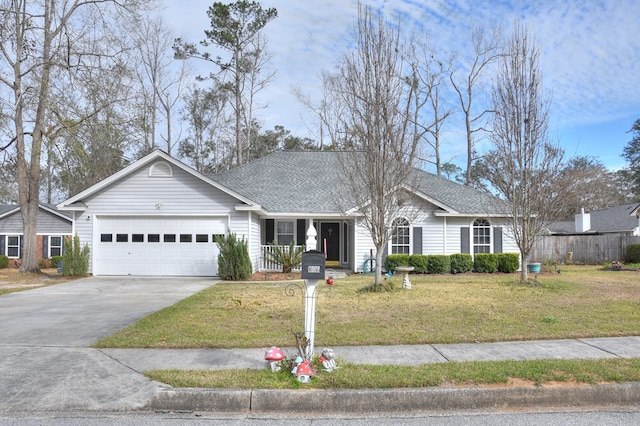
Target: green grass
581 301
349 376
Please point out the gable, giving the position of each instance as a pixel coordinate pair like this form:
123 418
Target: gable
159 176
49 222
158 187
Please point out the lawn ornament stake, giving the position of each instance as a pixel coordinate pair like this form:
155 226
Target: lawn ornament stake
312 271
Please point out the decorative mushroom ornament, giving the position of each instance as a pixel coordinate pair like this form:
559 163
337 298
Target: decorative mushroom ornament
303 372
273 356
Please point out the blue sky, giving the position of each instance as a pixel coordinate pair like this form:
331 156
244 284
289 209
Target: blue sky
590 58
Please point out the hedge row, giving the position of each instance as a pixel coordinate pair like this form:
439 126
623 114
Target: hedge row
455 263
633 253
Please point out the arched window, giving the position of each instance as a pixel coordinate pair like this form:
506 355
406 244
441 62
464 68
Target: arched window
400 236
481 236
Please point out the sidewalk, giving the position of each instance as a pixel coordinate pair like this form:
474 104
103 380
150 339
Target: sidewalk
388 400
207 359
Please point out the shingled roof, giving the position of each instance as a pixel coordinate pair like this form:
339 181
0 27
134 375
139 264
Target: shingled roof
311 182
611 220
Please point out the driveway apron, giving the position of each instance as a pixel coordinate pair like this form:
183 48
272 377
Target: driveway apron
44 333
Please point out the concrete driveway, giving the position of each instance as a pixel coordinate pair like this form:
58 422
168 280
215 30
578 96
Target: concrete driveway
44 333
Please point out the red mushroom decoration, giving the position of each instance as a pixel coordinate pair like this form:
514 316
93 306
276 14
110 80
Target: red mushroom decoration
330 281
274 355
304 372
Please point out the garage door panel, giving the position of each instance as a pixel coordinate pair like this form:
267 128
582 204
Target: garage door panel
156 254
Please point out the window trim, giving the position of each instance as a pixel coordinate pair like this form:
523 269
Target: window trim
18 246
477 225
52 246
400 223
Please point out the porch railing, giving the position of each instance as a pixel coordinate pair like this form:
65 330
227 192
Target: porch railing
269 266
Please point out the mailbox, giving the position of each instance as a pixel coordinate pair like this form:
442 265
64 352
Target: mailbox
312 265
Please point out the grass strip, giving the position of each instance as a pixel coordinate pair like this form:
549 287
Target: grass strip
351 376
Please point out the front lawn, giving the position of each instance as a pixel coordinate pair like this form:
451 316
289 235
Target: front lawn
581 301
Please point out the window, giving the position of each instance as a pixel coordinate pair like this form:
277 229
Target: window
481 236
400 236
153 238
13 246
55 246
137 238
169 238
284 232
202 238
186 238
122 238
106 238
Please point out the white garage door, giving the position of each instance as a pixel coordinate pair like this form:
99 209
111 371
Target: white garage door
180 246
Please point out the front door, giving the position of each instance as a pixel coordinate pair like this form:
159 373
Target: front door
330 242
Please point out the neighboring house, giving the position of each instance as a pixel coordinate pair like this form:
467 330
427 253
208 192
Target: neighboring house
53 225
160 217
619 220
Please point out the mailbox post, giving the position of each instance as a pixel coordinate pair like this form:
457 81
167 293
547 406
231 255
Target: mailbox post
312 271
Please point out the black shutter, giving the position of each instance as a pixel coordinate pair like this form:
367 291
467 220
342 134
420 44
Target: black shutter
45 247
497 240
269 232
20 246
2 245
464 240
417 240
301 232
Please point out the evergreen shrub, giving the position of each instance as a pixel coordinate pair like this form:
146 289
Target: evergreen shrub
461 263
485 263
438 264
632 254
233 260
508 262
419 263
394 260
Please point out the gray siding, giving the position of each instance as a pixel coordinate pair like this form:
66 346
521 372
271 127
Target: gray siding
48 224
141 195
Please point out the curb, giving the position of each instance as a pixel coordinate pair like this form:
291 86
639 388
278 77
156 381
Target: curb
394 400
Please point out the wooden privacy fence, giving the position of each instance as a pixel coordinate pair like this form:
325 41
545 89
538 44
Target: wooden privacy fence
587 249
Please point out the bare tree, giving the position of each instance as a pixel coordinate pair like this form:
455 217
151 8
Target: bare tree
485 52
430 111
38 40
374 126
524 166
161 78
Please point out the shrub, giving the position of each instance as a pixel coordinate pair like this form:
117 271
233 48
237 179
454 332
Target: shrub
438 264
75 260
288 257
419 263
4 261
633 253
508 262
461 263
44 263
485 263
394 260
233 260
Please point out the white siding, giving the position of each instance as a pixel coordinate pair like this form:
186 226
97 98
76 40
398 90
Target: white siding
141 195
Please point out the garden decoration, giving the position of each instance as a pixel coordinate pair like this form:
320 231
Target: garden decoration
273 356
327 359
304 372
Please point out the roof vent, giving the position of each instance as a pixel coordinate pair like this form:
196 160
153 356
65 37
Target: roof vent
160 169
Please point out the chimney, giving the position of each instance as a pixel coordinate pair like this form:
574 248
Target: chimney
583 221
